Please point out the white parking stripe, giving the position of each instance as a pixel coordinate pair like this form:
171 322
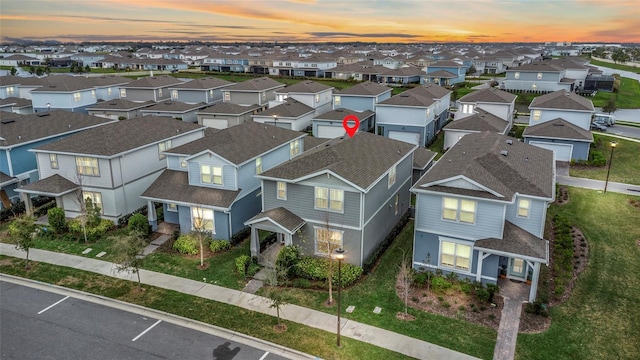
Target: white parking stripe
52 305
144 332
264 356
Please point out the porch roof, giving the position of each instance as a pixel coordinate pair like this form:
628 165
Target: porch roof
6 179
54 185
516 241
280 217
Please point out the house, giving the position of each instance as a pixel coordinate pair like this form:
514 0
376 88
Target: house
361 97
348 192
225 114
444 73
21 133
16 105
313 94
403 75
480 121
110 164
561 104
483 206
150 88
16 86
497 102
212 180
414 116
330 124
254 91
423 159
118 109
292 114
568 141
174 109
205 90
541 76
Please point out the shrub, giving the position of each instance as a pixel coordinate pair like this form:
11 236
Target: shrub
446 304
483 294
242 262
537 308
420 279
288 257
219 245
384 244
302 283
253 268
465 287
313 268
186 244
440 284
93 232
597 159
492 289
139 224
57 220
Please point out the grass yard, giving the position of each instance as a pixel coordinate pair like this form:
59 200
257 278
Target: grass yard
628 96
312 341
601 319
625 167
615 66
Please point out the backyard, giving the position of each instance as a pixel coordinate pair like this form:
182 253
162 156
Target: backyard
627 97
625 164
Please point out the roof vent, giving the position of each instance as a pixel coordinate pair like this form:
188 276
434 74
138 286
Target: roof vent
43 114
504 152
339 110
510 142
69 126
7 122
558 124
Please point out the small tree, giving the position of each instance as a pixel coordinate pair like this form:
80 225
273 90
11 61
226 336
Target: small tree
405 282
472 70
21 232
87 68
610 106
201 228
139 223
277 298
127 250
57 220
14 71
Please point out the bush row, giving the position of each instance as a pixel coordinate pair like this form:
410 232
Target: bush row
439 284
384 244
313 268
563 252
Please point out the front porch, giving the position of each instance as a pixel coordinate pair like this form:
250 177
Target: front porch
280 221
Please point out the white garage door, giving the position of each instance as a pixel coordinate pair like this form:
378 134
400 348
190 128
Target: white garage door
330 132
563 151
410 137
216 123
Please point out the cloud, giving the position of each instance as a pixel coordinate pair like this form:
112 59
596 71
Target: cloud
328 34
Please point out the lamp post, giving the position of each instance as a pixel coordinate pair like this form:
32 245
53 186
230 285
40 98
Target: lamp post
275 120
613 147
339 257
48 106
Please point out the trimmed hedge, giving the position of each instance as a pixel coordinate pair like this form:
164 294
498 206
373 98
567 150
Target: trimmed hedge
242 263
187 244
93 232
384 245
219 245
313 268
139 223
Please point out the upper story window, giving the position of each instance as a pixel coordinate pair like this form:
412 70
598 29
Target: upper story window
264 95
467 108
109 90
226 96
516 75
174 94
282 190
10 90
211 174
183 163
337 100
455 255
460 210
329 199
258 165
294 148
53 160
87 166
163 146
123 93
77 96
211 92
396 204
172 207
524 206
93 93
539 76
317 98
536 114
392 177
160 92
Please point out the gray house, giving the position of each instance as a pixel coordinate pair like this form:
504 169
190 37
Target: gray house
205 90
16 105
150 88
541 76
291 114
254 91
347 192
330 124
483 207
313 94
568 141
478 122
174 109
212 181
223 115
361 97
497 102
118 108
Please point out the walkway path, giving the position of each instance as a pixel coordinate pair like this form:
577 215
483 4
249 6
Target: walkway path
376 336
514 294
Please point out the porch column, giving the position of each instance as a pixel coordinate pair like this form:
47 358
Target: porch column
28 205
59 202
255 242
151 215
288 239
534 282
479 268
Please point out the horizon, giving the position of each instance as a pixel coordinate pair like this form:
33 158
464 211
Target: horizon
318 21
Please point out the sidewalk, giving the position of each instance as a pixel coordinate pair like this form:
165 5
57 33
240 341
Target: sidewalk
383 338
599 185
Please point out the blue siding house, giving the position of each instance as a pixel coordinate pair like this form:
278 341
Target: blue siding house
444 73
361 97
568 141
482 208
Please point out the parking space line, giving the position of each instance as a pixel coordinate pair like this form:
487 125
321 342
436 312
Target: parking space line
144 332
264 356
52 305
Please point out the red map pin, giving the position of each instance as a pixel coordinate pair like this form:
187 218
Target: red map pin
356 124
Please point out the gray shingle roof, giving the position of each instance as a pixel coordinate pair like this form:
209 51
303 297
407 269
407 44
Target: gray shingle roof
421 96
259 84
54 185
173 106
539 66
241 142
517 241
366 88
228 108
121 136
442 74
564 100
154 82
339 114
19 129
204 84
280 216
490 95
526 169
445 63
479 121
310 142
173 186
291 108
558 129
120 104
305 87
15 101
6 179
422 157
361 159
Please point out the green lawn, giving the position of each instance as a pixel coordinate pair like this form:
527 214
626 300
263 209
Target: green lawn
625 167
601 320
628 96
615 66
437 145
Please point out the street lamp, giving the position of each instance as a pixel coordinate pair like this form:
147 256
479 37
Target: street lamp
339 257
613 146
48 106
275 120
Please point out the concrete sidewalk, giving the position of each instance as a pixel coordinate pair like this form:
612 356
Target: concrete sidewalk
599 185
383 338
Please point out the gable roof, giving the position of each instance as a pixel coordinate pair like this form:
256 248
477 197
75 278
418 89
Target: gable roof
361 159
291 108
525 169
564 100
120 104
558 129
173 106
258 84
366 88
516 240
54 185
441 74
445 63
203 84
480 121
153 82
490 95
340 113
305 87
422 157
15 102
280 216
420 96
228 108
121 136
538 66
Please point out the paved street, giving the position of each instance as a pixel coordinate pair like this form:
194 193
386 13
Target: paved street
39 324
627 131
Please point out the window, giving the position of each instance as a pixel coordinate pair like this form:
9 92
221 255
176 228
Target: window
329 199
258 165
467 108
516 75
294 148
227 96
10 90
123 93
210 93
264 95
174 94
183 163
336 200
536 114
163 146
539 76
53 159
523 207
159 92
95 197
282 190
77 96
337 100
392 177
322 198
109 91
327 241
172 207
87 166
317 98
211 174
397 204
454 255
202 219
459 210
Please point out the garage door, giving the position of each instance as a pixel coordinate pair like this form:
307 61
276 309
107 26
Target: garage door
410 137
216 123
563 151
330 132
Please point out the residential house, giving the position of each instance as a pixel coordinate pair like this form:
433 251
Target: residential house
414 116
16 105
313 94
361 97
253 91
223 115
444 73
312 66
150 88
292 114
210 184
480 121
423 159
541 76
497 102
16 86
403 75
174 109
568 141
21 133
110 164
205 90
330 124
348 192
483 206
118 109
562 104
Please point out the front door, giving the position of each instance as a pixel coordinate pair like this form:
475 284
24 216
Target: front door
516 267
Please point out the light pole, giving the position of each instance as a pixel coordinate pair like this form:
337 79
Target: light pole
613 147
339 257
275 120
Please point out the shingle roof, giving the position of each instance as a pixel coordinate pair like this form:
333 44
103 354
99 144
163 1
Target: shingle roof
404 71
543 66
560 129
445 63
173 186
490 95
228 108
19 129
366 88
361 159
15 101
479 121
204 84
173 106
310 142
305 87
422 157
54 185
121 136
120 104
517 241
562 99
280 216
154 82
442 74
421 96
6 179
291 108
241 142
339 114
258 84
526 169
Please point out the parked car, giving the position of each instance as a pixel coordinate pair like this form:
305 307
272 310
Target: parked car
598 126
606 120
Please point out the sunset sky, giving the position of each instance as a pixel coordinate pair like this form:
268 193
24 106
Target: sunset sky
322 20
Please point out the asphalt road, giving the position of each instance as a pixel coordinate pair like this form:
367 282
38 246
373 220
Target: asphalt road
37 324
622 130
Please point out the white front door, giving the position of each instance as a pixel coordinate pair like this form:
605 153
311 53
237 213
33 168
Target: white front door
517 267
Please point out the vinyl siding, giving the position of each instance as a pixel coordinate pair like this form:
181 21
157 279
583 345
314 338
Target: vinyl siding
248 98
127 197
350 241
380 192
228 172
220 220
425 136
173 163
192 96
503 111
67 169
244 209
141 95
579 118
62 100
397 115
170 217
357 103
580 148
4 162
534 224
247 181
